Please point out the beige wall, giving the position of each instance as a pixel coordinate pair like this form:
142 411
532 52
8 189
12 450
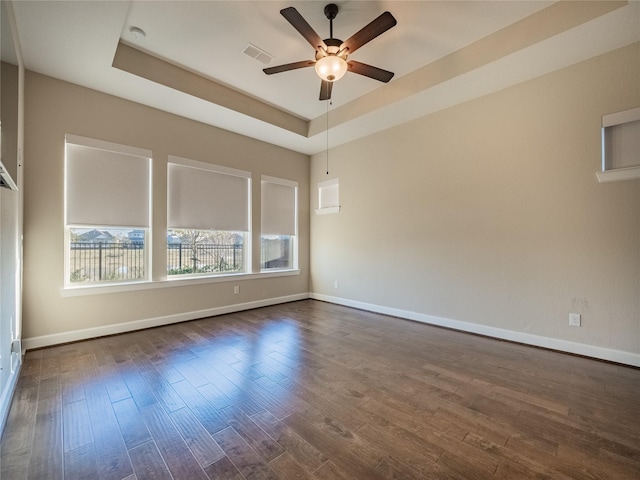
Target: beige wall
55 108
487 213
490 213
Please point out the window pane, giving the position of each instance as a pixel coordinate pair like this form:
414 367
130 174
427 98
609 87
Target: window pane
191 252
107 212
106 254
276 252
329 194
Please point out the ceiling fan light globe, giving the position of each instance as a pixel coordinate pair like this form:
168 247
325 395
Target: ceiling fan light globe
331 68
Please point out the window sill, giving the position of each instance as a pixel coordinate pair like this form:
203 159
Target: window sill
169 283
326 210
617 174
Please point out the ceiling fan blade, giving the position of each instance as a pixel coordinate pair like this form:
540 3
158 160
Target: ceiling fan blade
300 24
377 27
325 90
288 66
369 71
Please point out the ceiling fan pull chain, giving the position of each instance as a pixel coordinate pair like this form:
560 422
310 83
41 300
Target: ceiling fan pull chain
329 102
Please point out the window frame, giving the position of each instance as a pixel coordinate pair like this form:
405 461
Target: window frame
118 149
620 129
331 188
246 234
293 238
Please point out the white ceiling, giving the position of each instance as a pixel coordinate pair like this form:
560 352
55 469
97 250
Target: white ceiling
76 41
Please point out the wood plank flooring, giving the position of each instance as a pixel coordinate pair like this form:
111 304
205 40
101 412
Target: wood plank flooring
310 390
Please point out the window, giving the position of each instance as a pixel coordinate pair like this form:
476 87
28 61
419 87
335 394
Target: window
207 218
620 146
328 196
278 241
107 212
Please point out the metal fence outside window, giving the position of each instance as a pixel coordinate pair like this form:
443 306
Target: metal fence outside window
204 258
99 262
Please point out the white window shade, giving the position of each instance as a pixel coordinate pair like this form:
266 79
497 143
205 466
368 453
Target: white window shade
279 199
328 196
106 184
207 197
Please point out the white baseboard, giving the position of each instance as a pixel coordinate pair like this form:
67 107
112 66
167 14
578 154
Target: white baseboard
86 333
618 356
6 396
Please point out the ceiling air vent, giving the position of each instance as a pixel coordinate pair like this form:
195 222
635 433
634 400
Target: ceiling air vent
257 53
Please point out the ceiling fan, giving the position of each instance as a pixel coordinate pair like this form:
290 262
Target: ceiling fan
331 53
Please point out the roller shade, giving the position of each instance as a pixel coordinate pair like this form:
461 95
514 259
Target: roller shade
207 197
279 205
328 194
106 184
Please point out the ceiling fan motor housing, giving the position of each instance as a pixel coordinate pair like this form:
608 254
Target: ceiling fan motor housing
333 48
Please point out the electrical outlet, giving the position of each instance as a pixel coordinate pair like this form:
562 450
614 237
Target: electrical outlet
336 284
236 290
574 319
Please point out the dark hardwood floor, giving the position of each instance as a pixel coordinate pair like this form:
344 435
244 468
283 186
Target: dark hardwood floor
310 390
